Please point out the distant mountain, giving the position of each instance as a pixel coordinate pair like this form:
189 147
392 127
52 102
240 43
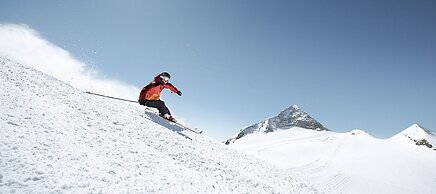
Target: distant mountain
419 135
288 118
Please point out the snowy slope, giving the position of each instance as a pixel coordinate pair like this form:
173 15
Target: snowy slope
55 138
353 162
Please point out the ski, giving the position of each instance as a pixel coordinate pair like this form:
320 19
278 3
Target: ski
150 110
187 128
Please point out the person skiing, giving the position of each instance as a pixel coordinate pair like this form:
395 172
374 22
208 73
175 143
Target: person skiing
150 94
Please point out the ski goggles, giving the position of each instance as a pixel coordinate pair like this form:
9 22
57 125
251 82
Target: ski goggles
165 79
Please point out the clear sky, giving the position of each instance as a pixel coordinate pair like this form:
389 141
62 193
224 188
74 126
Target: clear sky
350 64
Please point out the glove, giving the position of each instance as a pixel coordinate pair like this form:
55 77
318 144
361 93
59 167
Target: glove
179 93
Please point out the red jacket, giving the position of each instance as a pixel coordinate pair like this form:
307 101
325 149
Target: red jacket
153 89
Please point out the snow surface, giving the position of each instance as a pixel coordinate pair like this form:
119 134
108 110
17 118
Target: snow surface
353 162
55 138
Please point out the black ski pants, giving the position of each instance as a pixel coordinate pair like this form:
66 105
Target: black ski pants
159 104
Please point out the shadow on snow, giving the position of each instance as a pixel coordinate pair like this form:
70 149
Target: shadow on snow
164 123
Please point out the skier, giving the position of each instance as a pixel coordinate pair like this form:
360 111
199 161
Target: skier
150 94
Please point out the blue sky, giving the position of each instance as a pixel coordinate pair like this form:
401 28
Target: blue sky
349 64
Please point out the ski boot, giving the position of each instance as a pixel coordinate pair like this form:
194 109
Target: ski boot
168 117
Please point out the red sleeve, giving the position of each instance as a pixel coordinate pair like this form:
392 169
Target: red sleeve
171 87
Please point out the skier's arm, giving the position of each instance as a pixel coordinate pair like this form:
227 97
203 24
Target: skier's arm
172 88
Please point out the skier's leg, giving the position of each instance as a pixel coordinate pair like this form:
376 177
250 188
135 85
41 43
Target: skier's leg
142 102
163 109
160 105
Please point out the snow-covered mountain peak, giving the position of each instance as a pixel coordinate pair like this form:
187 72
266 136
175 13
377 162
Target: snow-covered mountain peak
415 132
287 119
293 112
418 135
294 107
295 117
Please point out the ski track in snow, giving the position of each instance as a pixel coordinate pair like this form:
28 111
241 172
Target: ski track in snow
54 138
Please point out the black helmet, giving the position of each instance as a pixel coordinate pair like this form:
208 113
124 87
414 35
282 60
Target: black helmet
165 77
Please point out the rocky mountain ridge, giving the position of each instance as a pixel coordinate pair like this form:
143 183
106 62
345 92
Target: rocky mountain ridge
288 118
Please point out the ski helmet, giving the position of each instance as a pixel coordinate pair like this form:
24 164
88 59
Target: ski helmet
165 77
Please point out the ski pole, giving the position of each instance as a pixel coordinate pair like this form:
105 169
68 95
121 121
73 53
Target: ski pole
111 97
